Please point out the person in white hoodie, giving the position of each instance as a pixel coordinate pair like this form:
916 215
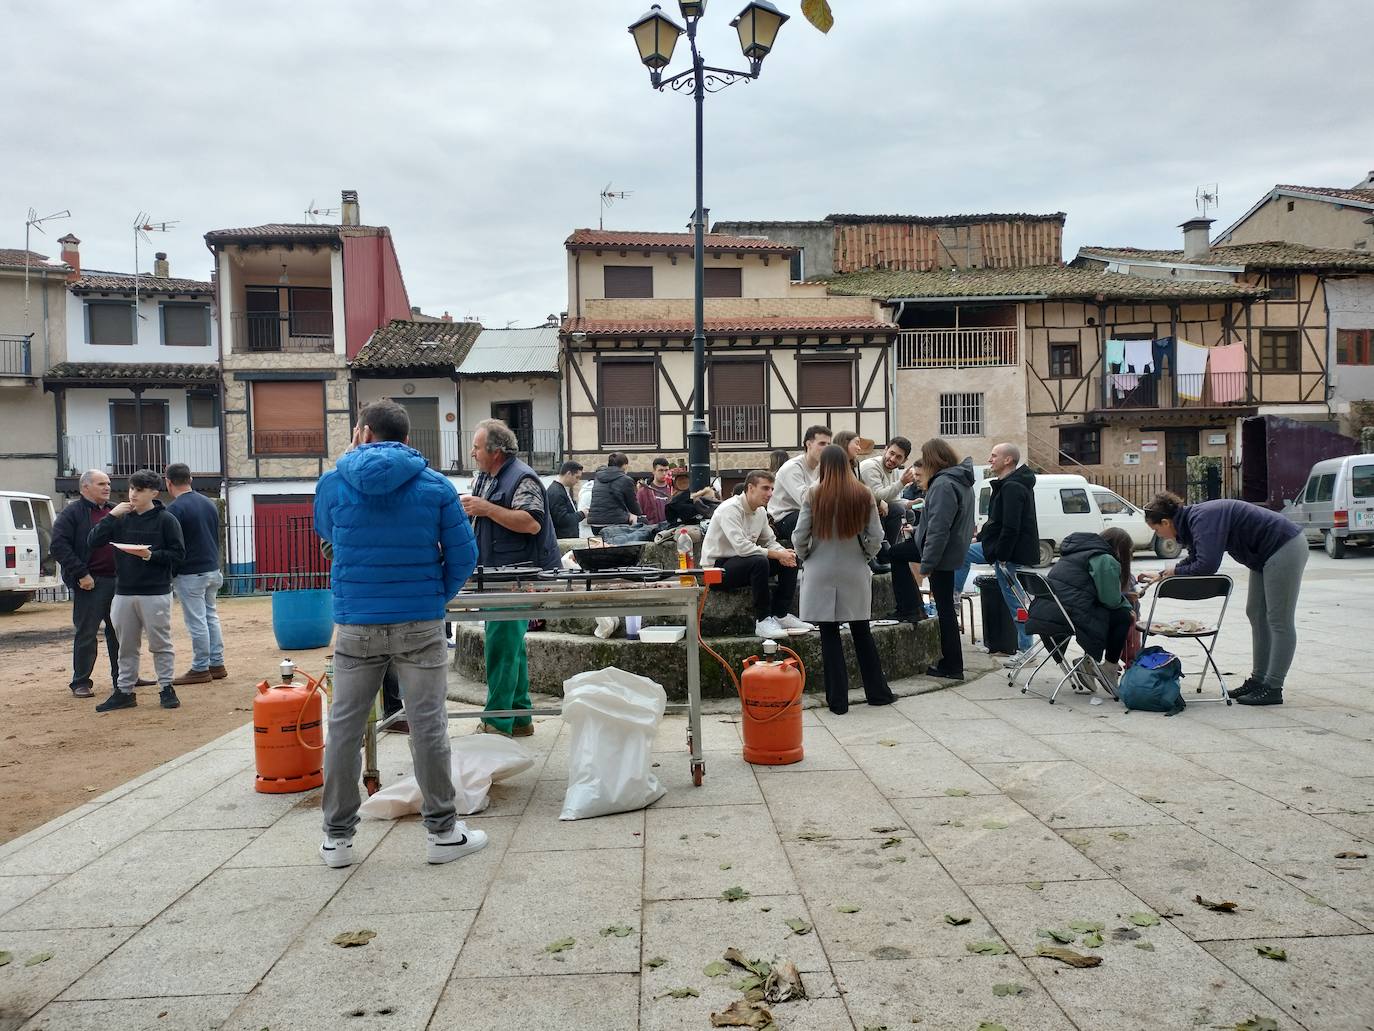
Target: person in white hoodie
740 541
794 481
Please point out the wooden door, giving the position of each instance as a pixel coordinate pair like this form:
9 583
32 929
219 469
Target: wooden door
1179 446
519 416
138 436
424 428
286 551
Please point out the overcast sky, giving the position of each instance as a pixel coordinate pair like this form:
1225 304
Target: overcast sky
483 131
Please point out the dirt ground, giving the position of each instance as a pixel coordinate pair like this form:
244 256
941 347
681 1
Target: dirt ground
57 752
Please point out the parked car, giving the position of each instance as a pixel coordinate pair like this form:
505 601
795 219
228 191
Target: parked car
27 565
1066 504
1335 508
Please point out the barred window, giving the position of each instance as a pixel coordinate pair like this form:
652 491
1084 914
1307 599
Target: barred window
961 415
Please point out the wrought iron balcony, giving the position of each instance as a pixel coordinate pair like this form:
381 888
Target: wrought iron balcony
294 332
16 356
629 426
120 454
1127 390
739 424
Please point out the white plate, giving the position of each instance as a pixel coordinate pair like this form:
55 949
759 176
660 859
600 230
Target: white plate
884 622
797 633
130 547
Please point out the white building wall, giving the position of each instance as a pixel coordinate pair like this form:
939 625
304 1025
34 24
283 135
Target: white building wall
480 394
89 430
148 345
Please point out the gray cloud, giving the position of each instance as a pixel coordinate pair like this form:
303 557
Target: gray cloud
481 132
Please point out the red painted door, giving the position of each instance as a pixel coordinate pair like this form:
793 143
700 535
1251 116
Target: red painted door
286 550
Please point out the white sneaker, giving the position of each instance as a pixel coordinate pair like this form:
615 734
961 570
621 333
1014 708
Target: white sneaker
791 622
769 629
337 852
457 843
1016 661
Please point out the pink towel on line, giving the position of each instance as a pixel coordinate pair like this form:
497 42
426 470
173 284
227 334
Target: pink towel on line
1226 373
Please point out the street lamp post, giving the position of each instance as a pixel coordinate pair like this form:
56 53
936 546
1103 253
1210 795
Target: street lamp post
656 35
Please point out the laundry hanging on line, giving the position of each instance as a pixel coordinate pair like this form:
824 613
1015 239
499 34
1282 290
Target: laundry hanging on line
1190 369
1226 373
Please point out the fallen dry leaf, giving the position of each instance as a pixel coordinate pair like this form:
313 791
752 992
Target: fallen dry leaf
734 894
680 993
1092 941
1272 952
883 830
845 907
1216 907
1073 959
1062 937
956 792
1144 919
5 957
1145 946
561 945
1036 885
887 743
995 825
813 836
986 948
783 984
656 962
617 930
1085 926
1258 1023
1011 988
798 925
716 968
956 921
37 958
1352 855
890 842
742 1013
353 939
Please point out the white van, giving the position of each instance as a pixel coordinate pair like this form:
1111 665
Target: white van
1336 506
26 562
1066 504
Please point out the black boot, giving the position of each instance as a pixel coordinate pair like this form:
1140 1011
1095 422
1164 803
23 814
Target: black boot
1251 684
1262 695
118 700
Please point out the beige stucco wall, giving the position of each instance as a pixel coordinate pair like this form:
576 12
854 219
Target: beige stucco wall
763 275
1004 406
734 307
1311 222
28 428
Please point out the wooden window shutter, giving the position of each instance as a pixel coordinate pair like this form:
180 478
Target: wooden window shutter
288 417
627 383
825 384
737 383
723 282
629 281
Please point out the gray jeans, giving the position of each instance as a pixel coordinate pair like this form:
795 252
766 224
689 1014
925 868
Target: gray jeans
134 615
1272 603
419 651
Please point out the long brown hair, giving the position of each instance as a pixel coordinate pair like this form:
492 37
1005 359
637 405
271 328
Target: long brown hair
840 504
842 440
936 457
1122 548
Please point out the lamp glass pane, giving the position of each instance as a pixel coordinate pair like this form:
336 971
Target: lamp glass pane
656 37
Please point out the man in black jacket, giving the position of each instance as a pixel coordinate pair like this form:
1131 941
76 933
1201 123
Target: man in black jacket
152 552
567 520
614 511
90 576
1010 538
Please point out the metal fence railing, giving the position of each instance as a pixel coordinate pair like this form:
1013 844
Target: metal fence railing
291 331
273 553
121 453
629 425
16 356
957 348
739 424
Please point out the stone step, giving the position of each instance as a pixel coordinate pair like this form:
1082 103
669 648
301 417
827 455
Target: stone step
905 650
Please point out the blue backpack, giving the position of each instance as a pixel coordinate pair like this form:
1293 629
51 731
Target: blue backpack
1152 683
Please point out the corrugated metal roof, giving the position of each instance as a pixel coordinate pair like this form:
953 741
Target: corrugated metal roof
510 352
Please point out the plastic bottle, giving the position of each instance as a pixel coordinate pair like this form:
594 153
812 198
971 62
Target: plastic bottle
632 628
684 556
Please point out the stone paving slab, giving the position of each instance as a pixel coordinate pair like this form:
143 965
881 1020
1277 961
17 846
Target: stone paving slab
992 805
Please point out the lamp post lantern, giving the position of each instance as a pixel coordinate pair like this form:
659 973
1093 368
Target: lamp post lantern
656 36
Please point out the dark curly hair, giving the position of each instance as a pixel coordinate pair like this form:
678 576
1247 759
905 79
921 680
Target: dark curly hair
1164 506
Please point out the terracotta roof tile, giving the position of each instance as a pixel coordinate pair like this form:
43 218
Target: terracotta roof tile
403 344
1273 254
946 220
13 257
725 327
1338 193
618 239
1035 281
275 231
131 373
122 282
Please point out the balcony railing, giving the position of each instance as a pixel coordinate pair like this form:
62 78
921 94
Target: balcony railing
288 442
16 356
1188 390
956 348
297 332
120 454
739 424
629 426
451 450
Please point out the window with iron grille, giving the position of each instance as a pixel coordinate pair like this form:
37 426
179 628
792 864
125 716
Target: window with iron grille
629 281
1283 286
722 282
1064 361
1279 350
1082 444
110 322
1353 347
961 415
627 404
825 383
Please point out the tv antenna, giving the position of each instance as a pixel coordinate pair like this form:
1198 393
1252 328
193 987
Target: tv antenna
608 199
1208 196
143 225
35 221
313 214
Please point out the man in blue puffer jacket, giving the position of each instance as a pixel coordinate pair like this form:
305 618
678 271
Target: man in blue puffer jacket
402 548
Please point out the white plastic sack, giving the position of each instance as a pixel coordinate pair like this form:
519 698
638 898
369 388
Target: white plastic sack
477 761
613 716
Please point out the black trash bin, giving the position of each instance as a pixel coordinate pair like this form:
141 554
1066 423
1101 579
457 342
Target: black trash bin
999 632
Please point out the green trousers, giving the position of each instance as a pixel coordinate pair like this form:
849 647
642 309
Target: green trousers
508 677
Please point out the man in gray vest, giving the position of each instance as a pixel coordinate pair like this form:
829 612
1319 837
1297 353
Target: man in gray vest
509 511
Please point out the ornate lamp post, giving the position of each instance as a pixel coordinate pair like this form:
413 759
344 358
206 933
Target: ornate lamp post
656 35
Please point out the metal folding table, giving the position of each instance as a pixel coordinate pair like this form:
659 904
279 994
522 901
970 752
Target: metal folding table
562 598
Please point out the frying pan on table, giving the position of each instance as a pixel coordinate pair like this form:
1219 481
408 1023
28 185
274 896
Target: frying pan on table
596 560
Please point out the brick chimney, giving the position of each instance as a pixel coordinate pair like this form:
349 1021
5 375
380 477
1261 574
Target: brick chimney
1196 238
349 209
161 268
71 255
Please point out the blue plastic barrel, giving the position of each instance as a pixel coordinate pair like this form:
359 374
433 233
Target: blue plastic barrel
302 619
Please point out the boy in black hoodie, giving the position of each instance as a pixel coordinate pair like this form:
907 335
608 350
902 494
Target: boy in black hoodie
143 585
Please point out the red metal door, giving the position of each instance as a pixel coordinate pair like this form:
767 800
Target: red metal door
286 551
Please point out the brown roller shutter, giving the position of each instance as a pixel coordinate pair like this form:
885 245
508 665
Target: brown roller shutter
737 383
288 418
722 282
825 384
629 281
626 404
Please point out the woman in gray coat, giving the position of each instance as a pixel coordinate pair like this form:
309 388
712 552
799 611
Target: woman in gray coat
942 541
838 531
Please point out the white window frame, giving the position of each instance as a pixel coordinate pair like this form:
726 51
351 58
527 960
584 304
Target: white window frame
961 415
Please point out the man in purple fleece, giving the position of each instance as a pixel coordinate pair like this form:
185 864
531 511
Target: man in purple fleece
1274 551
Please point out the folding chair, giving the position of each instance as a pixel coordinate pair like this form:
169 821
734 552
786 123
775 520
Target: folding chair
1192 588
1023 601
1084 669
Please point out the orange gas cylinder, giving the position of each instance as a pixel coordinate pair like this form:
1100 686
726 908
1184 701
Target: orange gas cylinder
288 735
770 693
